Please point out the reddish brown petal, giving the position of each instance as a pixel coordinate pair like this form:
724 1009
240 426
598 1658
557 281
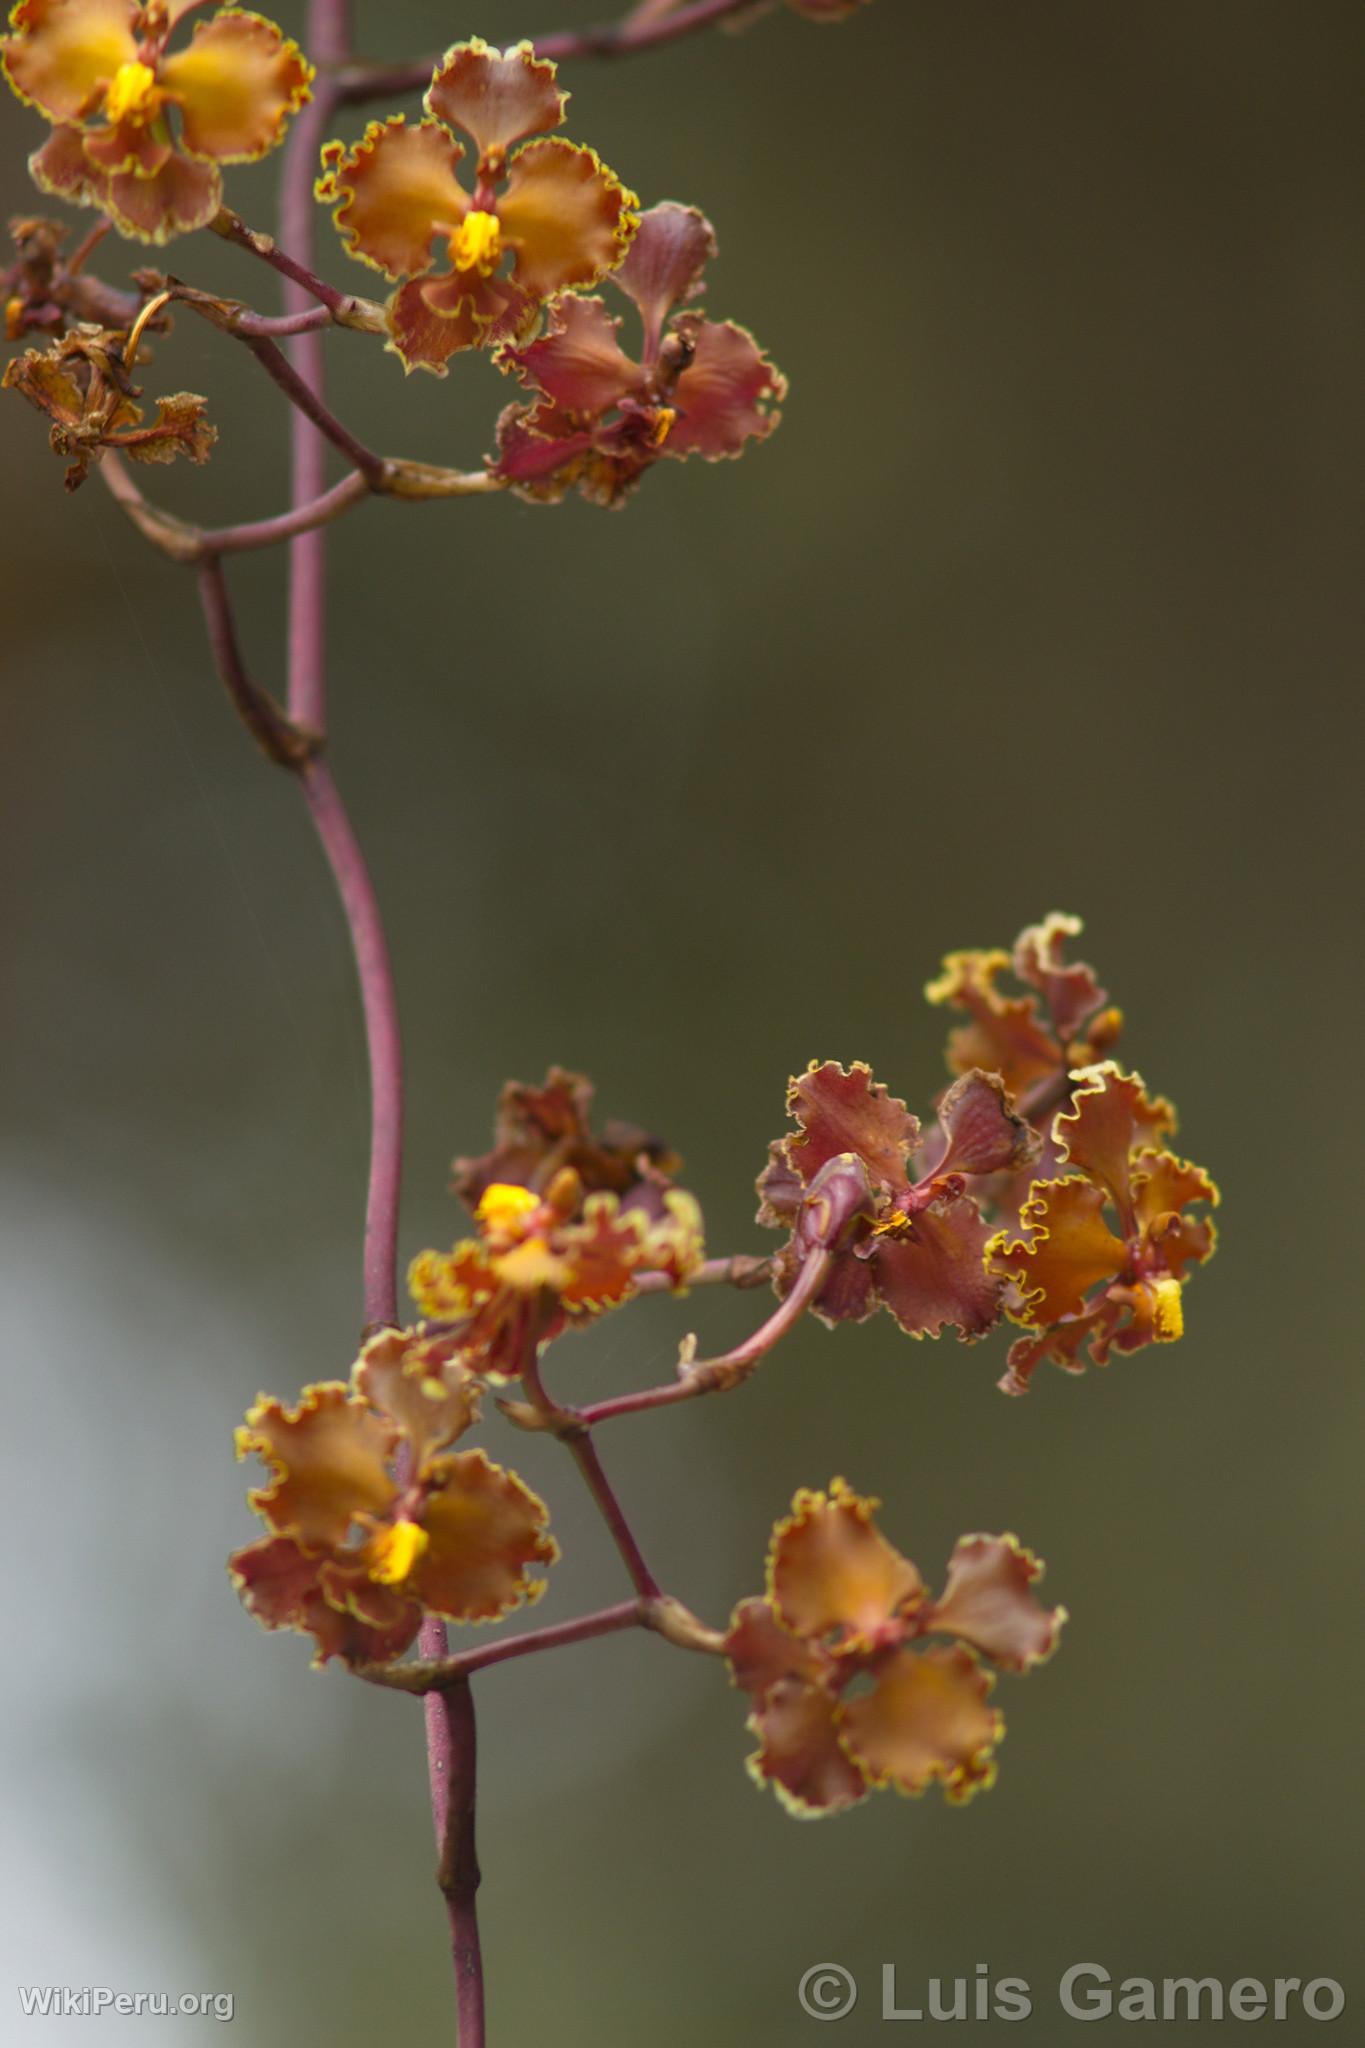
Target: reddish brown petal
925 1719
1005 1035
1111 1117
539 1131
1071 992
831 1573
381 1621
983 1131
663 265
131 146
62 51
1062 1344
578 363
497 98
799 1752
934 1273
182 196
728 395
988 1601
779 1188
761 1651
539 465
282 1585
62 167
432 1400
424 339
237 82
1068 1249
843 1110
329 1459
566 217
487 1530
394 190
1163 1186
848 1296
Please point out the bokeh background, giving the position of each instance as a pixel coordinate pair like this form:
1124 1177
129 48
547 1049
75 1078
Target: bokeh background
1046 594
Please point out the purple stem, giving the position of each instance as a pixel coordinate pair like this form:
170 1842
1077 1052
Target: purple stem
258 711
263 533
575 1434
452 1763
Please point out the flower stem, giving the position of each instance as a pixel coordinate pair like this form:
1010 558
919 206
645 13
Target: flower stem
570 1426
452 1761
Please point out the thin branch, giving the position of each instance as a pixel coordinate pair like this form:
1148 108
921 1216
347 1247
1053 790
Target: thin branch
280 741
742 1269
264 533
665 1617
624 38
452 1764
717 1375
569 1426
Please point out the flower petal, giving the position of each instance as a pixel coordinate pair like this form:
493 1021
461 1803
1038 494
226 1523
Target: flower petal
496 97
329 1461
933 1272
926 1718
1005 1036
1068 1250
62 167
432 1400
1163 1186
988 1602
832 1573
799 1751
539 465
983 1131
842 1109
761 1651
237 82
727 396
662 267
182 196
1110 1118
539 1131
424 339
62 51
1070 991
283 1586
578 363
393 190
567 218
487 1529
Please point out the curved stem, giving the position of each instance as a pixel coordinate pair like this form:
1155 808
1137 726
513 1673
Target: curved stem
570 1425
264 533
280 741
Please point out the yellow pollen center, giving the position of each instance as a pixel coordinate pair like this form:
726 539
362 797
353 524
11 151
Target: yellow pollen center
663 425
131 93
391 1553
1168 1313
477 243
505 1208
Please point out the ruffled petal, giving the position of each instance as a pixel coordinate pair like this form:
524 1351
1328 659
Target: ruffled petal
832 1575
1068 1249
1163 1187
761 1651
394 190
329 1461
424 339
61 52
62 168
1111 1117
496 97
1005 1034
727 396
663 266
925 1719
237 82
181 427
799 1751
182 196
448 1286
842 1109
578 362
540 1130
1070 990
988 1601
931 1271
412 1380
487 1529
285 1586
566 217
983 1131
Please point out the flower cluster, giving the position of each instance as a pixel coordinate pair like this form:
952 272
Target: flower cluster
602 417
847 1690
375 1521
565 1224
542 215
82 384
101 72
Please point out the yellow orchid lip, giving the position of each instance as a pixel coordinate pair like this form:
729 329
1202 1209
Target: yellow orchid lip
391 1553
132 94
477 243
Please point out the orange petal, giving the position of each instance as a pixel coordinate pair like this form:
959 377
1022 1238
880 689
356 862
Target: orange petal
237 83
487 1529
329 1460
799 1752
424 339
1005 1035
182 196
285 1587
988 1602
926 1718
1070 991
62 51
567 217
830 1570
496 97
843 1110
1111 1117
1069 1248
761 1651
432 1401
1163 1186
448 1286
393 190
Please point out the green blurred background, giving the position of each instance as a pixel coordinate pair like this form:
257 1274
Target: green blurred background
1045 594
